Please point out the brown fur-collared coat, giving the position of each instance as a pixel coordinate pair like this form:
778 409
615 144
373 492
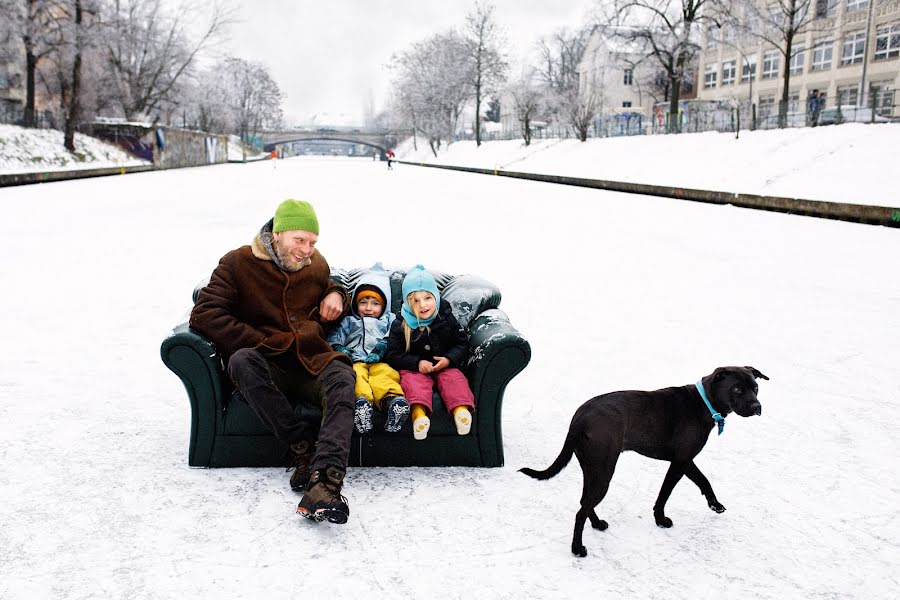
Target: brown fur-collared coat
251 303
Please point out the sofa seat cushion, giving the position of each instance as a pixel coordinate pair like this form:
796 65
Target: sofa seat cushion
240 419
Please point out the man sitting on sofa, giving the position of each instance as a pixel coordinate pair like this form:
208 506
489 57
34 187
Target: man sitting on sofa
264 308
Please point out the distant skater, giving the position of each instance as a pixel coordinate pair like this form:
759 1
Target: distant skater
390 159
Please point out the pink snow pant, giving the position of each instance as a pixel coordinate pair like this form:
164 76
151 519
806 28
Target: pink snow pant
451 382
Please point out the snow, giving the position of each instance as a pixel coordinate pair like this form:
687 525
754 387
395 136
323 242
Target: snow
27 150
613 291
853 162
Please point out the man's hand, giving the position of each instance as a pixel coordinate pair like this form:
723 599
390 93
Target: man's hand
425 367
331 307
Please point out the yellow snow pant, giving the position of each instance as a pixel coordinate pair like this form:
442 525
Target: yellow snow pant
375 381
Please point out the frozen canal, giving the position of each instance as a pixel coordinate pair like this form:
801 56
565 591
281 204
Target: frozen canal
612 291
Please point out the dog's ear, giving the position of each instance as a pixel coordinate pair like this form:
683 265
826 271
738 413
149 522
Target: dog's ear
756 373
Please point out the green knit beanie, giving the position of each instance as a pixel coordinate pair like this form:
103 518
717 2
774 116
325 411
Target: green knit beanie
295 214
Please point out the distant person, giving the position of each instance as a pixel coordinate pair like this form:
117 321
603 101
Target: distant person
390 159
363 337
428 345
264 308
813 107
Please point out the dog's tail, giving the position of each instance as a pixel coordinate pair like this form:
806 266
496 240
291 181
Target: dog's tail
559 464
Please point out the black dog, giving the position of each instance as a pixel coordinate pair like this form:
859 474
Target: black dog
671 424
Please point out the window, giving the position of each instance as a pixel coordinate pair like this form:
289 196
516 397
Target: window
826 8
821 60
882 96
798 58
729 71
887 41
711 41
626 104
857 5
848 95
709 76
854 50
771 63
766 106
748 70
629 77
794 102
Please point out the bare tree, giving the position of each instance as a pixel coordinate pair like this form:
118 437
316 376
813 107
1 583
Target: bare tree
434 85
149 50
668 30
33 22
560 54
484 49
580 107
778 24
253 97
528 101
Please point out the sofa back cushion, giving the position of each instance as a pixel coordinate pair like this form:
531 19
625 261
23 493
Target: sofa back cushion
468 295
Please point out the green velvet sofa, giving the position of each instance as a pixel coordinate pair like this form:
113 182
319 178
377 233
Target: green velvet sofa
225 432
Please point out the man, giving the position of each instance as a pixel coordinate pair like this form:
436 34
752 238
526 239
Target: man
264 308
813 107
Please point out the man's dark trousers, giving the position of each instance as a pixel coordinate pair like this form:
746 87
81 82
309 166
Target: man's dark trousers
272 386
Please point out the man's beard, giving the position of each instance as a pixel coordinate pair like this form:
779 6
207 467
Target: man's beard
287 260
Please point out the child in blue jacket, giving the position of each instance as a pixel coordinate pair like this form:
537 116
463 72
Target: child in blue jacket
362 335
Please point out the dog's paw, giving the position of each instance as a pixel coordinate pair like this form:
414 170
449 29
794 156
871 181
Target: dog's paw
716 506
600 524
663 521
579 551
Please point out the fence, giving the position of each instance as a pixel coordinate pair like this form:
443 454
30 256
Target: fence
13 114
723 115
731 115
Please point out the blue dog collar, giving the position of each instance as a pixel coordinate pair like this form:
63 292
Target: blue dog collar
719 419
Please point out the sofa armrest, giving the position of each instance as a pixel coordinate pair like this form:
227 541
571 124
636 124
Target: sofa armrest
499 353
197 363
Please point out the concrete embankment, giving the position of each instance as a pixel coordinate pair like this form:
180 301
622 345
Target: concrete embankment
842 211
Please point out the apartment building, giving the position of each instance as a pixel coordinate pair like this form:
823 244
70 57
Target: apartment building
844 39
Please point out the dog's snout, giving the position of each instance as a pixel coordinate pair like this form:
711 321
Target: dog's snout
756 407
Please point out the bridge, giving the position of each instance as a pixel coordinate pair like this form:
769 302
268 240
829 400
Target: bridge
381 140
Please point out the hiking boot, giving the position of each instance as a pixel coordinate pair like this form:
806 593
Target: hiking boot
397 410
362 417
322 500
301 456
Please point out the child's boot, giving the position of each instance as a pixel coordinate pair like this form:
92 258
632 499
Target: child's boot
362 417
463 419
397 411
421 422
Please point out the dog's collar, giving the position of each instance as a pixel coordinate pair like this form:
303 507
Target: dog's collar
719 419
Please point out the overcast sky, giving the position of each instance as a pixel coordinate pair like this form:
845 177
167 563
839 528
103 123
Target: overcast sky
327 54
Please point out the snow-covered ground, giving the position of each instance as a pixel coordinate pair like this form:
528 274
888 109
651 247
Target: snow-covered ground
854 162
28 150
613 291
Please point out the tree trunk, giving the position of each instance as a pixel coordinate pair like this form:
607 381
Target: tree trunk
30 69
478 116
74 98
674 117
783 105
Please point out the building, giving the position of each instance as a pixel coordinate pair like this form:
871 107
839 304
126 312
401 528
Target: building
621 79
850 50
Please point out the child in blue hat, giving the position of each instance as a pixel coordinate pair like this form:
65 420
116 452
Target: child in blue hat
427 346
